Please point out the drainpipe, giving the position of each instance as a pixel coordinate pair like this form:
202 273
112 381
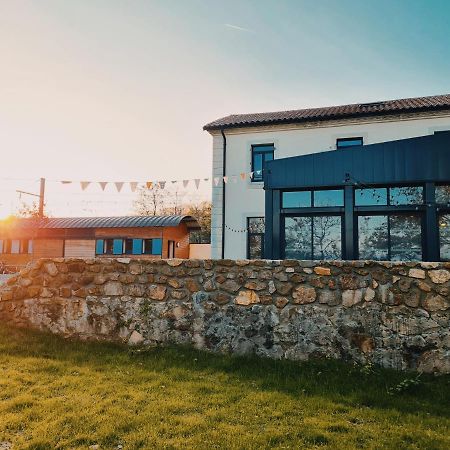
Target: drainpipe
224 159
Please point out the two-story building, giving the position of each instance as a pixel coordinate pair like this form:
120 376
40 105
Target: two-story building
329 193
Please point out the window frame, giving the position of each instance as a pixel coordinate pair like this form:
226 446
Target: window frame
332 212
254 150
249 234
349 139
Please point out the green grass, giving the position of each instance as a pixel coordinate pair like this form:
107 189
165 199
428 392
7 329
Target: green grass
66 395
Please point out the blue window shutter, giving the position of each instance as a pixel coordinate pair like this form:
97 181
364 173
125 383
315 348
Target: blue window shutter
99 247
156 246
118 246
137 246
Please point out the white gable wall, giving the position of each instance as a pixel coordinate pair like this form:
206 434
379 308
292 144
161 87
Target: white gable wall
245 199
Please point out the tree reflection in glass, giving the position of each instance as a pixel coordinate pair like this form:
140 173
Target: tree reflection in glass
407 195
298 237
406 238
373 237
327 236
444 236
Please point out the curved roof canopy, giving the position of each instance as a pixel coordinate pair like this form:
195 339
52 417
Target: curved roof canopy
104 222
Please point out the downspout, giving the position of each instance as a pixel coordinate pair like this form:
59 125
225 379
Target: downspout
224 159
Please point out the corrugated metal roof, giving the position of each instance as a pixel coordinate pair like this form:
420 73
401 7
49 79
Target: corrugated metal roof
417 104
106 222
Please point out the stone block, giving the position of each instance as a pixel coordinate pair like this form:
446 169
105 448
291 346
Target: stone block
435 303
156 292
439 276
304 294
417 273
246 298
113 288
322 270
351 297
51 269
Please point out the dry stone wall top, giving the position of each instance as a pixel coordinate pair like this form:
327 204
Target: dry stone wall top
392 314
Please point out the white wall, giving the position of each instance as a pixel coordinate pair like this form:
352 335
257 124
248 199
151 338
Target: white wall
245 199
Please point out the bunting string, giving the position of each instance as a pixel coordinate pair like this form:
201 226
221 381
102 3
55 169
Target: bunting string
161 184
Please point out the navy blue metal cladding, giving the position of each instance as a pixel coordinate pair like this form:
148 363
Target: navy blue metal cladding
414 160
423 161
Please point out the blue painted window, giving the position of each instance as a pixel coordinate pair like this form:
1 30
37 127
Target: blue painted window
260 155
137 247
118 247
331 197
299 199
349 142
156 246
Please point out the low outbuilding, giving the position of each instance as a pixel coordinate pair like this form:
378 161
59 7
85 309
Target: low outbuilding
151 237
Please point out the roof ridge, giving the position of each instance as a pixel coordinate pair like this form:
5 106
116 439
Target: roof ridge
333 111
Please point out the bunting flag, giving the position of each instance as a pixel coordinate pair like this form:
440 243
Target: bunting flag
234 178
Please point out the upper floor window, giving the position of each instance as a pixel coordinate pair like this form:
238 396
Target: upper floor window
261 153
349 142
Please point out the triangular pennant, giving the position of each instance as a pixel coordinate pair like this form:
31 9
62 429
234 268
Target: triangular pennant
216 181
251 174
149 184
133 186
119 185
162 184
225 180
103 184
197 182
66 182
243 175
185 183
84 184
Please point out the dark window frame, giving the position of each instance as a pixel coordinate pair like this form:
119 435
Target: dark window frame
254 150
331 212
249 234
340 141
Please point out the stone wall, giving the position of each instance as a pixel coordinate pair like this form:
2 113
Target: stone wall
391 314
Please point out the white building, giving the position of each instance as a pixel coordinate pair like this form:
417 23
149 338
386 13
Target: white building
242 142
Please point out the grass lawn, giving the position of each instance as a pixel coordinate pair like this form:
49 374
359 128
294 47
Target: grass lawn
60 394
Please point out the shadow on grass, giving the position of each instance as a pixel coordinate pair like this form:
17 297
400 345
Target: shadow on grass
340 382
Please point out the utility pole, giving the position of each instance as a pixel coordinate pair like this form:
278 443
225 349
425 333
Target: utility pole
41 196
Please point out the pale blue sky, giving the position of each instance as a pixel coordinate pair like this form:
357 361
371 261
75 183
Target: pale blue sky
120 90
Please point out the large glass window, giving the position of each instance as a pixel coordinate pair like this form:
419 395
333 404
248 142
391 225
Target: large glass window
317 237
371 197
330 197
407 195
255 237
444 236
349 142
373 237
260 155
298 199
394 237
443 194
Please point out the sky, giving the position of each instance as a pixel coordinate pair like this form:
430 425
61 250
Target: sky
109 90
